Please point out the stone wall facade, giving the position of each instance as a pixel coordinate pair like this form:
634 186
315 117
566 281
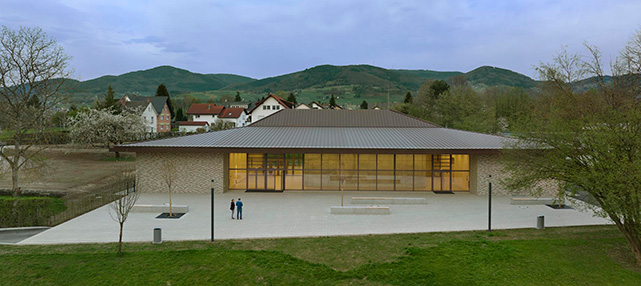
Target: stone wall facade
482 166
195 170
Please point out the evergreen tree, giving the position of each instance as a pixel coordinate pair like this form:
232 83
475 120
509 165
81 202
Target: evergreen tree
237 98
109 101
292 98
364 105
332 101
408 98
180 116
162 90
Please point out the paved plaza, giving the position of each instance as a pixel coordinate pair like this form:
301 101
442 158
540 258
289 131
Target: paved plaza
304 214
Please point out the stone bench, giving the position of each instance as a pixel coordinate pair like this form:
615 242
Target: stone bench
388 201
367 210
164 208
532 201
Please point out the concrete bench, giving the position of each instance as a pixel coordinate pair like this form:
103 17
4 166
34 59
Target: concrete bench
164 208
367 210
388 201
532 201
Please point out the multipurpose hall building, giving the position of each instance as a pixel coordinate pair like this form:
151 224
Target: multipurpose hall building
325 150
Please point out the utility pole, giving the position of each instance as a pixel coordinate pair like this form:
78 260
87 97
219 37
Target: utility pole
489 205
212 210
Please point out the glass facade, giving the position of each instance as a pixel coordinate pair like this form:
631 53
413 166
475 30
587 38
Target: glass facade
351 172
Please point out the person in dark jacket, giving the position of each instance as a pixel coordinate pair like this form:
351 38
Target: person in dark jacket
239 209
233 205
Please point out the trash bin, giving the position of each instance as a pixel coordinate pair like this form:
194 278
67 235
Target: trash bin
157 235
540 222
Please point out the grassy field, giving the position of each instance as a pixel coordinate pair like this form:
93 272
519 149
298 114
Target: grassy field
557 256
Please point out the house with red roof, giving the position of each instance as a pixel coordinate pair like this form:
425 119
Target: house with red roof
207 112
235 115
192 126
268 106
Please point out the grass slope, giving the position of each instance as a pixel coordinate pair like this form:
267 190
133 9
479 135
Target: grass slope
559 256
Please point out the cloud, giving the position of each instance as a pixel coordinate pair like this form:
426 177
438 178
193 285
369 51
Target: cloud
267 38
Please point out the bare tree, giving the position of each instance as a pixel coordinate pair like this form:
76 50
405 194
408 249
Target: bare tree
169 175
125 200
34 76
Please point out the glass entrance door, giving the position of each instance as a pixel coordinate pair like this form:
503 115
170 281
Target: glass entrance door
274 180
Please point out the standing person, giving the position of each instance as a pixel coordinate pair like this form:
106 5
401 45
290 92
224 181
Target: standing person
233 205
239 209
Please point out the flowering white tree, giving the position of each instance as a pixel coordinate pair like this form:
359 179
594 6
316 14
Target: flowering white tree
105 128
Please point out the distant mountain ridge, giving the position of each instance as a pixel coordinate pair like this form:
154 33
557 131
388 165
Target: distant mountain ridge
361 79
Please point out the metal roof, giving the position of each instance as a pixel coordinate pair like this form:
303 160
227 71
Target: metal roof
334 129
334 138
341 118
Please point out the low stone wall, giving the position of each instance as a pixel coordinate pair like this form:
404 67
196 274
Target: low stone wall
195 172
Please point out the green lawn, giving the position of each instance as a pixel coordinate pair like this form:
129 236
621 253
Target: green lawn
558 256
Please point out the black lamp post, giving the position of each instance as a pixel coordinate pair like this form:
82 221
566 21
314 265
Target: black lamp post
489 205
212 210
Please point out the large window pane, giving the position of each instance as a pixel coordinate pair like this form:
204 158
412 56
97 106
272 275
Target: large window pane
238 160
441 162
422 181
461 162
237 179
294 161
404 180
275 161
385 162
293 180
405 162
350 180
255 161
349 162
422 162
367 162
312 161
367 180
312 179
330 179
330 162
385 180
460 181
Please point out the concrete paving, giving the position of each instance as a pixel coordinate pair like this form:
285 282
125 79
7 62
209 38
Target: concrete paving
304 214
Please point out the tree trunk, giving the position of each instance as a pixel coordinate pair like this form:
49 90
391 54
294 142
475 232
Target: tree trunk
120 239
633 240
15 189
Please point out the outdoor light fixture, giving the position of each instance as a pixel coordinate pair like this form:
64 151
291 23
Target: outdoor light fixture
212 210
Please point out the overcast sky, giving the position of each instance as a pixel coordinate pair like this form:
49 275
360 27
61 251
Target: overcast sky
266 38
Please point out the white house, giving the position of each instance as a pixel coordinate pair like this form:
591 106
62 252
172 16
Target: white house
268 106
147 112
207 112
235 115
303 106
155 111
192 126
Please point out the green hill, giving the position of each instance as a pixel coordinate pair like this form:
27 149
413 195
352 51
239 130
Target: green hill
493 76
145 82
335 76
352 83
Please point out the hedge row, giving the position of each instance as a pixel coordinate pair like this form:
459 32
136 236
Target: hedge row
28 211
